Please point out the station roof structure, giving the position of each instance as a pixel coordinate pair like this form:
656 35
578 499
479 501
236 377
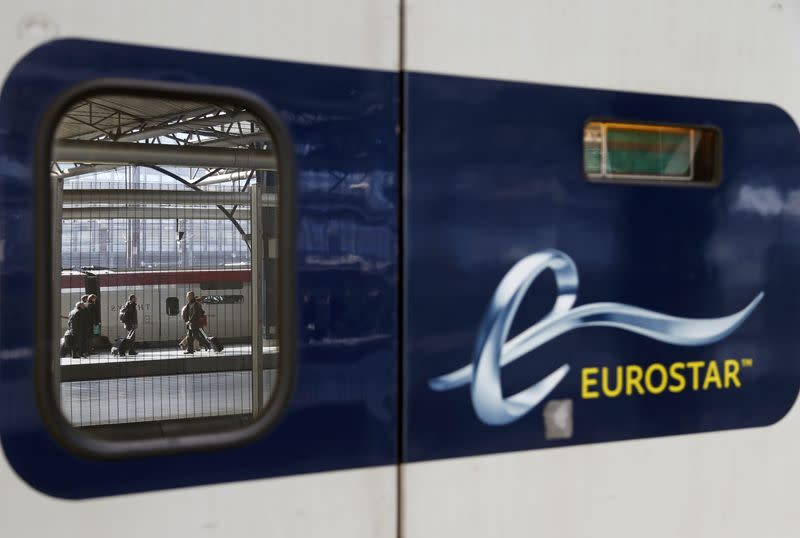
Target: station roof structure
104 132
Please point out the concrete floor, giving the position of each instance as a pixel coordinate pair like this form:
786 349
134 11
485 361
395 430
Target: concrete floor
144 399
149 354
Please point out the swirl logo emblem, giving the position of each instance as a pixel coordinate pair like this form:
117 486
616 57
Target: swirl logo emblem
492 351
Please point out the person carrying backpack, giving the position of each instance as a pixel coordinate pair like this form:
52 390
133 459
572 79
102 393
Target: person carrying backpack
129 317
74 327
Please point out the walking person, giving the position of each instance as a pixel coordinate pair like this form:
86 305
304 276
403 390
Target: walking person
75 325
192 314
129 317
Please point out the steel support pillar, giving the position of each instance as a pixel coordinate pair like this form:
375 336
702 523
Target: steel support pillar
256 265
115 197
57 189
82 151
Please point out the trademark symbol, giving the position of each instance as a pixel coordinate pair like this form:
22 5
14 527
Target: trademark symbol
746 363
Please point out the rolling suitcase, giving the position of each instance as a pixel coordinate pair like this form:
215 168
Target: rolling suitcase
184 344
121 346
215 344
67 343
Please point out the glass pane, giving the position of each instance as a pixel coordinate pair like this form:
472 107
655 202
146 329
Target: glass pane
156 217
656 151
650 152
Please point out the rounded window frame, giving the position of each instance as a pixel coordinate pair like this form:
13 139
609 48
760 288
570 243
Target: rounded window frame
85 444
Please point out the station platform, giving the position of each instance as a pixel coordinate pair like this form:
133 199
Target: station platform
152 361
160 384
162 397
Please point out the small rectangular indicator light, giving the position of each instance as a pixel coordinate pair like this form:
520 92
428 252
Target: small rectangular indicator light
646 152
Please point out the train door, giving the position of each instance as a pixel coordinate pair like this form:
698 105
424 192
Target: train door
599 314
322 81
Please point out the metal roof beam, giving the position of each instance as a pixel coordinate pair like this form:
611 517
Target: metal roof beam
234 141
133 124
112 197
85 169
222 142
225 178
188 125
80 151
149 213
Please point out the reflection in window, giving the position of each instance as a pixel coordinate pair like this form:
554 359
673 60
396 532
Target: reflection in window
157 226
650 152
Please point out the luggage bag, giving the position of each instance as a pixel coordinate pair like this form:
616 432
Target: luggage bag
121 346
67 344
197 344
213 341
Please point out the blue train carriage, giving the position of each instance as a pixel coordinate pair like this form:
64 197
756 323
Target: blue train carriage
483 270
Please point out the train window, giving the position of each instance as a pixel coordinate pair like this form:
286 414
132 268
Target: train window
651 153
172 306
222 299
157 195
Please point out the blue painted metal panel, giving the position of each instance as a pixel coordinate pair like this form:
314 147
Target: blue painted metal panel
342 122
494 174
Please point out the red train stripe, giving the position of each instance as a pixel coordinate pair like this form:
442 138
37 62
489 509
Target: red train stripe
158 278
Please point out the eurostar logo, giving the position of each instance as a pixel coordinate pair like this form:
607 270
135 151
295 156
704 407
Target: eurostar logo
493 351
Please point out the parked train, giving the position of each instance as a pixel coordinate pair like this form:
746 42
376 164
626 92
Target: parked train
332 307
224 293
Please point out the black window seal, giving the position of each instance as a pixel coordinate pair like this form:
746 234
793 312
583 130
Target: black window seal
45 348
